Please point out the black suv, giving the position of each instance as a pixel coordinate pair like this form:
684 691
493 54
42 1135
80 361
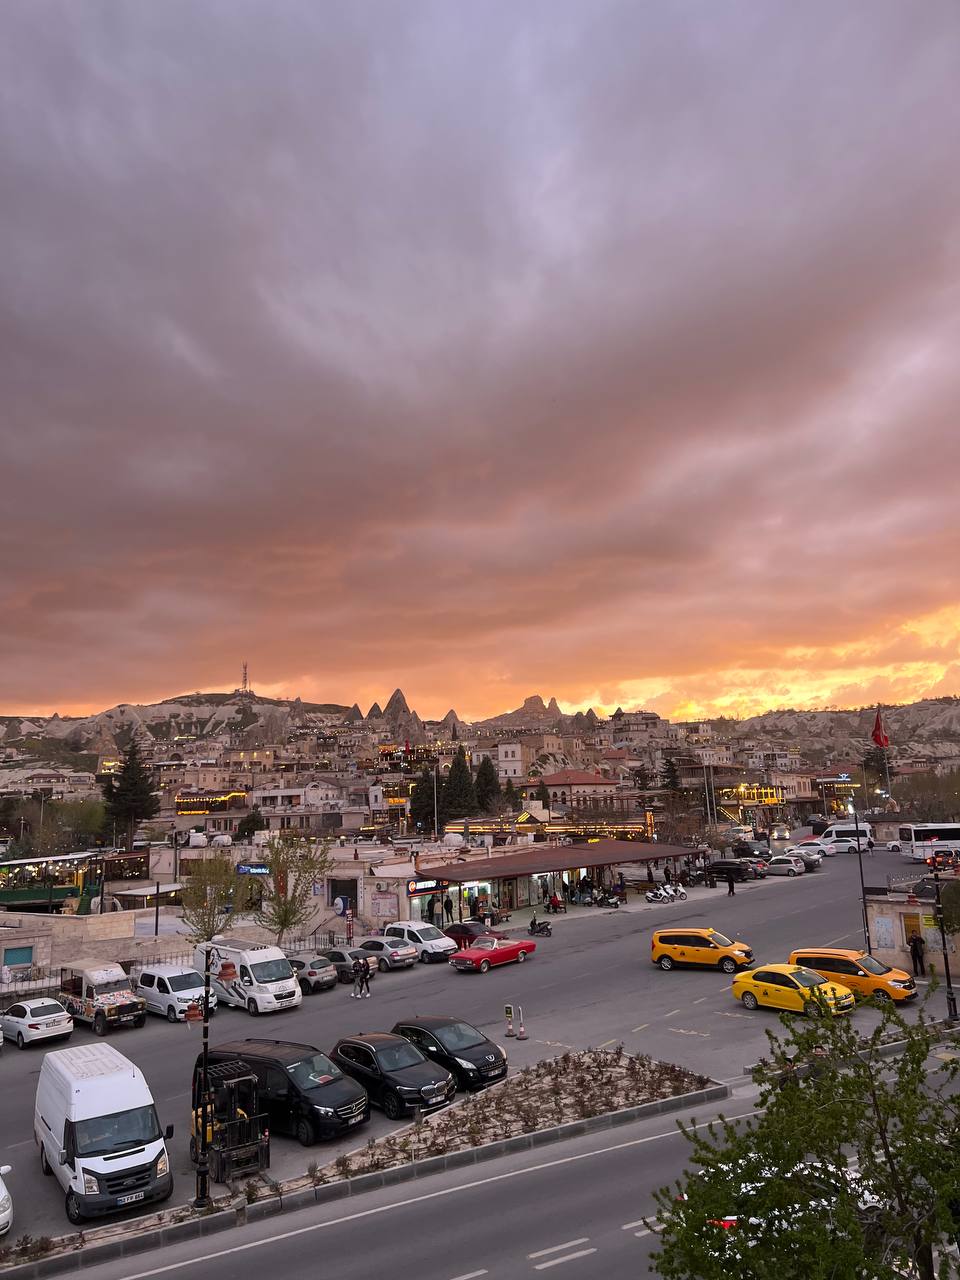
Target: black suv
474 1060
742 869
396 1075
303 1093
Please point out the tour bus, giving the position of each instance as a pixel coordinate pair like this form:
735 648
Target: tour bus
921 840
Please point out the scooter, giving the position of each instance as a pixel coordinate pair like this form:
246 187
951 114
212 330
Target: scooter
539 928
673 892
657 894
605 900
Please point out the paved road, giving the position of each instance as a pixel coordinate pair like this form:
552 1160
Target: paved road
590 984
577 1210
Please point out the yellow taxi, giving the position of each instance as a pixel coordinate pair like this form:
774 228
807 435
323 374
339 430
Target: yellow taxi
792 988
670 947
859 971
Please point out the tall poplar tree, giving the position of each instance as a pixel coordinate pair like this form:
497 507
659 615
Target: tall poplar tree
459 794
128 796
487 784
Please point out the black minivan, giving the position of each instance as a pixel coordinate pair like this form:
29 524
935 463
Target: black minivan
303 1093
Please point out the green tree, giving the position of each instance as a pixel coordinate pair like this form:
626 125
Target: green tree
950 901
253 821
422 809
670 775
211 894
848 1170
510 797
487 785
543 794
129 795
459 795
874 763
297 864
642 777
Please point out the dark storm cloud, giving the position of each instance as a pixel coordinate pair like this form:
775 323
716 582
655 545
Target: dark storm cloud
475 348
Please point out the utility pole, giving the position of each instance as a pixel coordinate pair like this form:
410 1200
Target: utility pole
951 998
863 891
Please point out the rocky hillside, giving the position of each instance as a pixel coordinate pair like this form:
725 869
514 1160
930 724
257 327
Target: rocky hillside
930 728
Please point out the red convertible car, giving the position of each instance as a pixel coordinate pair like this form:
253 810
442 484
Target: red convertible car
487 951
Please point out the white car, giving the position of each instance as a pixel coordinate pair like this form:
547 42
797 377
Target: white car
825 850
786 864
430 943
41 1018
170 990
6 1202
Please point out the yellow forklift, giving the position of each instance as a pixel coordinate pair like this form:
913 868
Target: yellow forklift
238 1139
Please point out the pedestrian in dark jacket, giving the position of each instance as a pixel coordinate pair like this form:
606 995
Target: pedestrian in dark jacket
731 882
448 909
361 974
917 948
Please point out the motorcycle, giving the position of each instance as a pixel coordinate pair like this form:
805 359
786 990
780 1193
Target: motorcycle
605 900
675 892
657 895
539 928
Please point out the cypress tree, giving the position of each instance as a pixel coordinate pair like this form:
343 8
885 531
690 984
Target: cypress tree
543 795
487 784
421 801
459 795
129 795
510 796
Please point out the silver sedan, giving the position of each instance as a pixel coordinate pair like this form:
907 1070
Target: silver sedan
41 1018
786 864
390 953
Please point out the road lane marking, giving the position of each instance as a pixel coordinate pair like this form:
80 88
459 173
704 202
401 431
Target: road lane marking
641 1234
700 1000
671 1013
607 1042
429 1195
684 1031
642 1027
555 1262
628 1226
470 1275
558 1248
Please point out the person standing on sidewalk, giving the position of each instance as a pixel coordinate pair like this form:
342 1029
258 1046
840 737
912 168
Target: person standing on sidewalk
917 948
360 971
731 883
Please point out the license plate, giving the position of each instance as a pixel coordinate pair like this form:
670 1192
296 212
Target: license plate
136 1195
498 1071
355 1120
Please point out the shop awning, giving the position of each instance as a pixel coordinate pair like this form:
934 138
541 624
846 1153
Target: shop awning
541 859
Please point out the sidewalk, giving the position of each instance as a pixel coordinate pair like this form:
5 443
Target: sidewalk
634 904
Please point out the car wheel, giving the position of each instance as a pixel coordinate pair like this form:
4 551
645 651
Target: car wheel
44 1163
484 966
883 997
194 1153
171 1013
392 1106
252 1008
99 1029
21 1043
424 957
72 1206
749 1000
305 987
728 964
792 871
665 963
305 1134
813 1009
521 957
383 965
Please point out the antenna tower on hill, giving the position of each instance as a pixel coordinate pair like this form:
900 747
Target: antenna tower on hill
244 683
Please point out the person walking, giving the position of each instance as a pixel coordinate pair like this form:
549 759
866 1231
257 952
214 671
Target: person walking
431 906
870 847
666 873
448 909
917 948
360 971
365 980
731 883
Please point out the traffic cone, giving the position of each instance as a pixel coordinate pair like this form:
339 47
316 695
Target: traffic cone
510 1030
521 1034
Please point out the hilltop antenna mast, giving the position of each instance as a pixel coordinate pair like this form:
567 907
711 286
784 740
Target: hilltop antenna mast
244 685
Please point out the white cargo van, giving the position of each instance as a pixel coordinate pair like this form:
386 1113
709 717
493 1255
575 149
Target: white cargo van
250 975
97 1129
430 943
846 833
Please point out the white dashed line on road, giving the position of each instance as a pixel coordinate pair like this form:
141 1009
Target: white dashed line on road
555 1262
700 1000
556 1248
642 1027
685 1031
671 1013
629 1226
470 1275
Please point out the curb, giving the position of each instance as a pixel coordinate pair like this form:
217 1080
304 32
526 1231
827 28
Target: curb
888 1050
209 1224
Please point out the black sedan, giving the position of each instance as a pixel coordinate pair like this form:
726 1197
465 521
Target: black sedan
466 932
396 1075
474 1060
342 961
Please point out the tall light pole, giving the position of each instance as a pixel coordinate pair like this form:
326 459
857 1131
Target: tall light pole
951 998
852 808
436 792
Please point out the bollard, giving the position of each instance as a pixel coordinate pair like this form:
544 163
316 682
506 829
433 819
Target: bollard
521 1034
508 1014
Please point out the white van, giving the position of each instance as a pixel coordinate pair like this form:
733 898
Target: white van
250 975
97 1129
431 944
846 832
170 989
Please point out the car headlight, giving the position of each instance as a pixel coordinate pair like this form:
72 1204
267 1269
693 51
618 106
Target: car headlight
6 1203
163 1165
467 1066
409 1089
90 1185
323 1111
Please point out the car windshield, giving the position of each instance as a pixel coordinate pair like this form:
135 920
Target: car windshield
720 940
874 966
430 934
459 1035
807 979
271 970
485 944
397 1056
108 988
321 962
185 981
311 1073
103 1135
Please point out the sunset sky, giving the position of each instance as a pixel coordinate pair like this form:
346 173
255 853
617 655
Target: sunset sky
609 351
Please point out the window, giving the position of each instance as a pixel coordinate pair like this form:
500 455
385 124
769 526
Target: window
18 1011
185 981
397 1056
17 955
147 980
770 979
162 986
363 1057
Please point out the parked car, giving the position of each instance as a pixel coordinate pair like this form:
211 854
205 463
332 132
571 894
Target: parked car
390 953
791 988
6 1201
467 931
742 869
314 973
303 1092
484 953
102 994
170 990
40 1018
811 857
786 864
780 831
342 961
395 1074
861 972
430 943
670 947
754 860
466 1052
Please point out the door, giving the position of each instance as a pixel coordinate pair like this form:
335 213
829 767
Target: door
162 998
788 993
275 1096
9 1023
700 950
765 988
366 1070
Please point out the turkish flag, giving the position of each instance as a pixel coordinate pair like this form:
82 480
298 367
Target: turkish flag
879 737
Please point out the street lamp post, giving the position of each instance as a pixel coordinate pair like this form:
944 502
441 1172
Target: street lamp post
852 808
202 1200
951 998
